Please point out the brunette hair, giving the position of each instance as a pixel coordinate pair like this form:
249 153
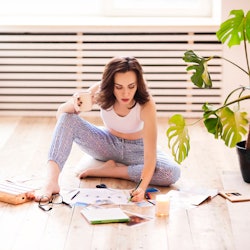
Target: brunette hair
105 97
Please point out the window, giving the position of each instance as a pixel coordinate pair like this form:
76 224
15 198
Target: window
160 8
50 8
97 11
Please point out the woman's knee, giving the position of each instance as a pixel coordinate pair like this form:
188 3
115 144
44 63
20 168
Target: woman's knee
67 120
166 175
64 117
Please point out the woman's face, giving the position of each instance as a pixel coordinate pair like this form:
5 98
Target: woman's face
125 86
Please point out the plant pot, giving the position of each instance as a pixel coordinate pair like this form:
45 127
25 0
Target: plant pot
244 159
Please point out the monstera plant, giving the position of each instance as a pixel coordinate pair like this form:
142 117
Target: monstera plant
227 122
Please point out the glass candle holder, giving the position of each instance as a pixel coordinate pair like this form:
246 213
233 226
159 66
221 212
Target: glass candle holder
162 205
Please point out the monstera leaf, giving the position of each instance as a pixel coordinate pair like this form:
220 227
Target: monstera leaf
234 124
178 138
201 77
235 29
211 120
225 124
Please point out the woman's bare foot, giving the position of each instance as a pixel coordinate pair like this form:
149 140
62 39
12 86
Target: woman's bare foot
51 185
108 169
98 171
46 192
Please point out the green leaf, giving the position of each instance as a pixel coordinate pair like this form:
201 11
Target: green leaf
178 138
213 126
201 77
234 126
248 26
234 29
208 108
211 120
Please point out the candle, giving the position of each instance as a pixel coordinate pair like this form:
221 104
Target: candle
162 205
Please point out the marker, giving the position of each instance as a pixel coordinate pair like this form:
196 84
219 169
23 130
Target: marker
74 196
147 196
138 184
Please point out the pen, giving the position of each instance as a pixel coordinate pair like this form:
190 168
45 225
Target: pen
74 196
151 202
66 203
138 184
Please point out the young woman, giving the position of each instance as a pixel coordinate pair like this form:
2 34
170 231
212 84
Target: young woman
127 144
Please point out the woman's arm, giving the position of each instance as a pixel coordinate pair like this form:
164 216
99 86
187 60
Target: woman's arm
148 115
66 107
69 107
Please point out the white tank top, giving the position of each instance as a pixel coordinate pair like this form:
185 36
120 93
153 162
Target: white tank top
130 123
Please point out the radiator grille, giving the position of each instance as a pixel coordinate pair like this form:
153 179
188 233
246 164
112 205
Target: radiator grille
40 70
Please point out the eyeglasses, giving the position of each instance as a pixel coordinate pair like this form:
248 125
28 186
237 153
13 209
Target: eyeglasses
46 204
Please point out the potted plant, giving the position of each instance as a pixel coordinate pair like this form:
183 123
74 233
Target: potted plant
227 122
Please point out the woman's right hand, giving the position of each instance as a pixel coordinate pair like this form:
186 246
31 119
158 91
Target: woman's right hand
76 102
67 107
73 105
83 101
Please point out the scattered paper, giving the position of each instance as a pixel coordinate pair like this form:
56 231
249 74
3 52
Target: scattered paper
189 198
98 196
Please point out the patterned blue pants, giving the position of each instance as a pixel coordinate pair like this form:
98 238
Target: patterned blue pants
99 143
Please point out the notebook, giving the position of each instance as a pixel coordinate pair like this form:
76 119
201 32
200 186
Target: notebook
104 215
234 195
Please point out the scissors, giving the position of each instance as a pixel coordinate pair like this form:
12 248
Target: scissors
101 186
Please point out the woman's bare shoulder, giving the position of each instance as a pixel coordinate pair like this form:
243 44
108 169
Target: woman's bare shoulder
148 110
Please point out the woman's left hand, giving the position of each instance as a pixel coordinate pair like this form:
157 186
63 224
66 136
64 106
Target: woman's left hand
137 195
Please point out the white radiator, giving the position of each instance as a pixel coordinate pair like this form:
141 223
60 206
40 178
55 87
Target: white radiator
39 70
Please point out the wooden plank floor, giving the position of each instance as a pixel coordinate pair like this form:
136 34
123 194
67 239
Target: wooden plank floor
215 224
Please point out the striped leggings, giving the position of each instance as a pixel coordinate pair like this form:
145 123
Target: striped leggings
99 143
